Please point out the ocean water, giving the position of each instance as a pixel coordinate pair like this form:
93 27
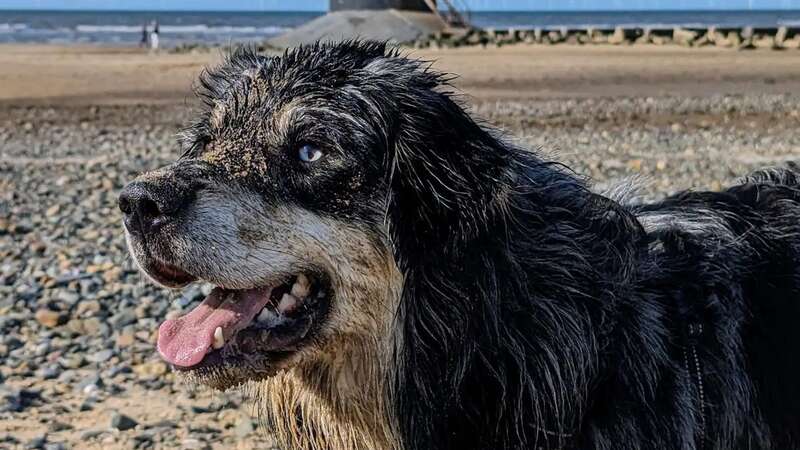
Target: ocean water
125 28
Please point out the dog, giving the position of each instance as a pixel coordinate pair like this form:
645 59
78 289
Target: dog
391 274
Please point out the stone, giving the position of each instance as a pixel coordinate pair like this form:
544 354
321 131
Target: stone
49 318
780 36
734 39
68 297
151 369
122 422
49 372
90 384
36 442
100 356
645 38
555 37
125 339
88 308
793 43
57 426
91 434
123 318
194 444
618 37
683 36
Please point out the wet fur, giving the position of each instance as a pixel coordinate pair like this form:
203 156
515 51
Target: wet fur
530 312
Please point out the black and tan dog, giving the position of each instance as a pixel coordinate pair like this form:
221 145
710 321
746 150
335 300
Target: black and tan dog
392 275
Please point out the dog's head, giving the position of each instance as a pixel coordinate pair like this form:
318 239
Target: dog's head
285 199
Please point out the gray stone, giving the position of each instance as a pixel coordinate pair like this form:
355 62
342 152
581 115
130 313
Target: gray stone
36 443
100 356
55 446
122 422
123 318
90 384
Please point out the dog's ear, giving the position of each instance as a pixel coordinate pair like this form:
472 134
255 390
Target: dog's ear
446 172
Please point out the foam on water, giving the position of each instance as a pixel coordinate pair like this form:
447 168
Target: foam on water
226 27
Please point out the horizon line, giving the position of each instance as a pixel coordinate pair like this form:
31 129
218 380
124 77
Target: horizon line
713 9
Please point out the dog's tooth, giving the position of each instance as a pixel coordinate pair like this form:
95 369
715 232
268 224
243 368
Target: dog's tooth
219 339
301 287
288 303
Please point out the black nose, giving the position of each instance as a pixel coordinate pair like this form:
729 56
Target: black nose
146 207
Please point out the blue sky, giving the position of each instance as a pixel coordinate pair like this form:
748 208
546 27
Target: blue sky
475 5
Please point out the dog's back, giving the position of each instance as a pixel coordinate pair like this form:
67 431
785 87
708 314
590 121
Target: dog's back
772 338
737 309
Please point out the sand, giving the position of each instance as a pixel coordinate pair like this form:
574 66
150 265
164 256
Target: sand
97 75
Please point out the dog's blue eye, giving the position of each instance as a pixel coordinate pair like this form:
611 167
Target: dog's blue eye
309 153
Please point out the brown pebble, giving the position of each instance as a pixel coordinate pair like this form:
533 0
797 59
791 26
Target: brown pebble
49 318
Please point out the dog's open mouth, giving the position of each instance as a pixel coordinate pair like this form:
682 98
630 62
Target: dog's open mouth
233 327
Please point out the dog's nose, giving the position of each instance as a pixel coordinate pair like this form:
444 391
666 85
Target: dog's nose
145 208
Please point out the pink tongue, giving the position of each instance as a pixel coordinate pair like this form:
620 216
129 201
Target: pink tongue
186 340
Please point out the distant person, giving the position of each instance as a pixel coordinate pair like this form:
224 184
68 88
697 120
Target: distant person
145 36
154 36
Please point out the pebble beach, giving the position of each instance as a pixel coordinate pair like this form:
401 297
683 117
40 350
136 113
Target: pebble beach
78 367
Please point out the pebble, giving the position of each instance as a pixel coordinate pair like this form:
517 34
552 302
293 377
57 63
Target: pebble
49 318
57 426
90 384
36 442
122 422
151 369
101 356
125 339
87 435
194 444
122 318
78 324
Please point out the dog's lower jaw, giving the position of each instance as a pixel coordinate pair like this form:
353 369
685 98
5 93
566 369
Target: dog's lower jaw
337 403
338 398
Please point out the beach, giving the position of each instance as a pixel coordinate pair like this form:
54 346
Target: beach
48 74
78 322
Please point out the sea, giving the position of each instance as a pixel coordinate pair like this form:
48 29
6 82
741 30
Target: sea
125 28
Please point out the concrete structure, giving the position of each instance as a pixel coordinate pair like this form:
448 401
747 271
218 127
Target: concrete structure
406 5
396 21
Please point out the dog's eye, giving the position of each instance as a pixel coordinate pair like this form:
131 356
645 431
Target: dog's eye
308 153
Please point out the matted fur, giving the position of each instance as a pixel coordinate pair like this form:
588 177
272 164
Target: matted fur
519 309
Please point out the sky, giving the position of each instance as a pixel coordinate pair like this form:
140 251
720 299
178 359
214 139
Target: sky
473 5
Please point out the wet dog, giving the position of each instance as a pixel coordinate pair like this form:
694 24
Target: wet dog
391 274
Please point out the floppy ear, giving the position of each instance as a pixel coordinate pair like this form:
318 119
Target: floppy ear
493 246
446 176
446 172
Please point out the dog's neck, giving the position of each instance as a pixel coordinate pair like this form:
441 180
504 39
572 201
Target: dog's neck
333 403
337 397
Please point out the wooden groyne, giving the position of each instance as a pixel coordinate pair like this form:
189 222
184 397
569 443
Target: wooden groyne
741 38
